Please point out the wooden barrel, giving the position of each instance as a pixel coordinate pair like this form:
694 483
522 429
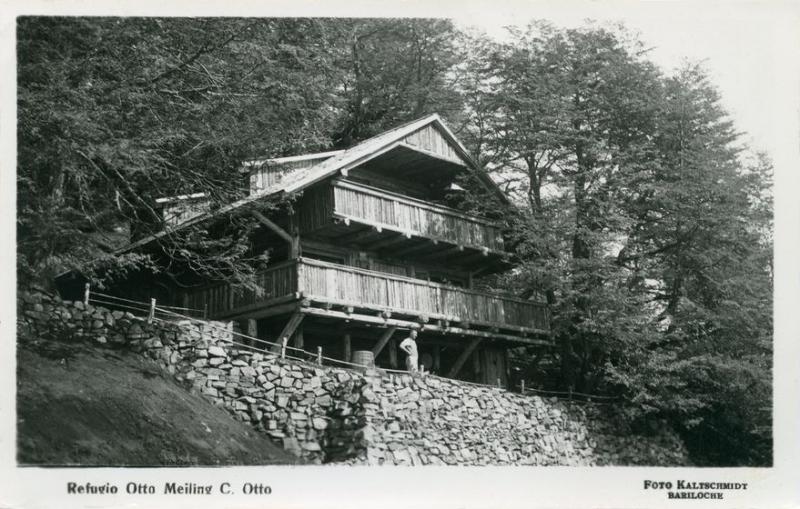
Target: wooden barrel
364 358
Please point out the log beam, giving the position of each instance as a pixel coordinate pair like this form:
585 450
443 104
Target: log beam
289 329
384 339
393 353
292 240
252 330
406 324
272 226
299 339
346 346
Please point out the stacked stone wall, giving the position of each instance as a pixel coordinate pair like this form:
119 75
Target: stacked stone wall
330 414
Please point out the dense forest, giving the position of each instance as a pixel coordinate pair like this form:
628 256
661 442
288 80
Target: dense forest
637 212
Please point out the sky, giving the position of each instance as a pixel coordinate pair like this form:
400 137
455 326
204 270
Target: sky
749 49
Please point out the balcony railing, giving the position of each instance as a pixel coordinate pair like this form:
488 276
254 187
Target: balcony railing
323 282
384 209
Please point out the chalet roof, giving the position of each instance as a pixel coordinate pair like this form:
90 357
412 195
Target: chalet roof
337 162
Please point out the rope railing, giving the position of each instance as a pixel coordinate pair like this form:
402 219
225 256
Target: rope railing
181 308
116 300
169 316
284 347
570 394
133 309
103 302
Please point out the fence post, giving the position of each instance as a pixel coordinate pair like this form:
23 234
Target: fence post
498 383
205 311
152 312
284 340
522 387
86 294
319 355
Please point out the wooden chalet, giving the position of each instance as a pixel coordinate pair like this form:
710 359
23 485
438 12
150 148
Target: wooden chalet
370 247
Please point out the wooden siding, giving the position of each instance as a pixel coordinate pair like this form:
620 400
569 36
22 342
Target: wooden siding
340 284
376 207
268 175
430 139
184 210
222 299
366 259
315 208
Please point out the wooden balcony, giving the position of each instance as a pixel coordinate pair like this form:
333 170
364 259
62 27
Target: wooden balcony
376 217
310 284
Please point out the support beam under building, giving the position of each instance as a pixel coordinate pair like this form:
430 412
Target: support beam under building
463 358
393 353
385 337
252 330
406 324
299 340
292 240
346 346
288 330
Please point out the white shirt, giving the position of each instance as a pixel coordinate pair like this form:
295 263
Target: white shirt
409 345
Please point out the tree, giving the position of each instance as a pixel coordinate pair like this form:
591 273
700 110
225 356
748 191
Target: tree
396 70
114 113
702 246
643 227
573 112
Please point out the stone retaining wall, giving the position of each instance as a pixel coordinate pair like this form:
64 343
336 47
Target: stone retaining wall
329 414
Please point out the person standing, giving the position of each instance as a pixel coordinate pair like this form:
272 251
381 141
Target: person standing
409 346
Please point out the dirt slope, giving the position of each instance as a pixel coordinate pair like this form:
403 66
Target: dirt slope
79 405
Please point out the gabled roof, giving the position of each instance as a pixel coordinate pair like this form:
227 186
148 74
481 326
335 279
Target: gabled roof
369 149
339 162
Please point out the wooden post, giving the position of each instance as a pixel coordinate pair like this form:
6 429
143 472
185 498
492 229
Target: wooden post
522 386
319 355
463 358
498 384
152 312
205 311
393 353
346 342
86 294
284 340
298 337
507 365
294 231
252 330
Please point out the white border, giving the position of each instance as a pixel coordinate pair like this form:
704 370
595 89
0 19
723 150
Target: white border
454 487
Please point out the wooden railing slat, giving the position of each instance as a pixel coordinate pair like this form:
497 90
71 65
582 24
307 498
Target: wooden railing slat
384 208
362 287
